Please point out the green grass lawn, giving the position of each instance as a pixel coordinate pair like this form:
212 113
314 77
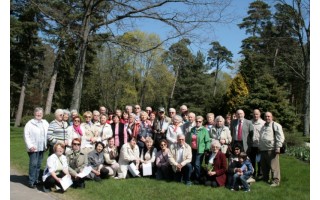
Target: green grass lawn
295 183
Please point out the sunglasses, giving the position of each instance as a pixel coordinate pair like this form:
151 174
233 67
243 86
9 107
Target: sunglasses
199 121
76 144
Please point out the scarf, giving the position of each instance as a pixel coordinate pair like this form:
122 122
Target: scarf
77 129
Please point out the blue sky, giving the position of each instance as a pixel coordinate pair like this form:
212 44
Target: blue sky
228 35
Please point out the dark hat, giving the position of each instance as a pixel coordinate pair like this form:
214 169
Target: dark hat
161 109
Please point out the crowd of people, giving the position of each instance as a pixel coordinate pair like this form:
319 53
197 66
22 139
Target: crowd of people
227 152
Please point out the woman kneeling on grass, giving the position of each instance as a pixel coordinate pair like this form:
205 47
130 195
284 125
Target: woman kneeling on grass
96 161
57 167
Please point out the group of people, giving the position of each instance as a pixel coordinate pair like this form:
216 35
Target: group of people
150 143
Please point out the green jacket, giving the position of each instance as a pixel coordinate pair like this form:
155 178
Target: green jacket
203 139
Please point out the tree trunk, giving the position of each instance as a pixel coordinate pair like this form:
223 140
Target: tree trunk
173 87
306 120
21 100
81 60
50 93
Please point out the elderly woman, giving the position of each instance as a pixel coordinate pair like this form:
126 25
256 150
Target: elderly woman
111 155
148 154
216 169
222 133
199 140
74 113
145 130
96 161
56 168
74 131
119 132
66 116
164 169
105 130
35 138
77 161
132 127
174 130
91 133
96 118
129 154
57 131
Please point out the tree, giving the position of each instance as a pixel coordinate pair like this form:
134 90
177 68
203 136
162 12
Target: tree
92 21
26 48
268 95
236 94
296 18
219 56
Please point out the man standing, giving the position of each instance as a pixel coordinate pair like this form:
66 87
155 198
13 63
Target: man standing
186 127
172 112
103 110
180 157
271 139
160 127
242 132
257 123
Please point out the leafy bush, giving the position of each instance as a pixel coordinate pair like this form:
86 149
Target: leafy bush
25 119
302 152
294 139
49 117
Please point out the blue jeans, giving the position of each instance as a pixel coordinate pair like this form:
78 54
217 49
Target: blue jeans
243 179
35 160
197 159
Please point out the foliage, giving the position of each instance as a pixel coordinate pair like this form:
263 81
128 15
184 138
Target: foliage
301 153
292 187
267 95
236 94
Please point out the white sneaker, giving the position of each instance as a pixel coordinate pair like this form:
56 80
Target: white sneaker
251 180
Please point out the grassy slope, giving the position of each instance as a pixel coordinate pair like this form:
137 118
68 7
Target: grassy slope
295 183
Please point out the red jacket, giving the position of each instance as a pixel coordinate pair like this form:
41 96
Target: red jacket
220 167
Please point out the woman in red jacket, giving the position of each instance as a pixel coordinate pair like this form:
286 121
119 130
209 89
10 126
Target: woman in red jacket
216 169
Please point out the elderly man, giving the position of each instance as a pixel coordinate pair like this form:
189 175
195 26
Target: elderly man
172 112
160 127
186 127
271 139
180 156
242 131
183 109
103 110
257 123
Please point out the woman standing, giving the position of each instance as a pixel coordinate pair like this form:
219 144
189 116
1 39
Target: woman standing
174 130
56 168
199 140
57 131
222 133
74 131
145 130
35 138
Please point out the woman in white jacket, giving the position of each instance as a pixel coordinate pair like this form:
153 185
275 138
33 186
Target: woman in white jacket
35 138
221 133
129 153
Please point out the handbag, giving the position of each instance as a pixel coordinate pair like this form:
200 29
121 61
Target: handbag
283 149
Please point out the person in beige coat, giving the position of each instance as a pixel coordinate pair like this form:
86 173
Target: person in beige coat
77 161
221 133
180 156
111 156
129 153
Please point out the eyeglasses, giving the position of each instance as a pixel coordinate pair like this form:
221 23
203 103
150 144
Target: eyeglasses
76 144
199 121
